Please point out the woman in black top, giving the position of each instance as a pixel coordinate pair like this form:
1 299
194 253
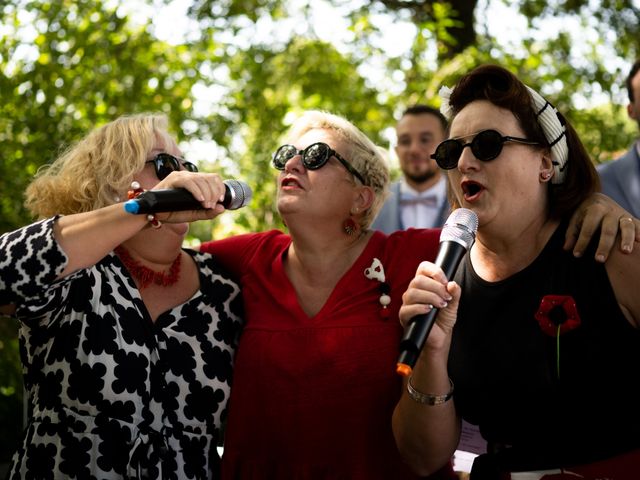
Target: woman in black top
541 349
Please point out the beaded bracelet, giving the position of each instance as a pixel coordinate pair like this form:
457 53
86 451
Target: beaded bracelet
427 398
135 191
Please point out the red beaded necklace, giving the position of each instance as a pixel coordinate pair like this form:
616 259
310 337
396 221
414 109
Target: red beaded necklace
145 275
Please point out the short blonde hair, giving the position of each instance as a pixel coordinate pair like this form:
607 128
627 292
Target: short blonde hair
97 170
363 154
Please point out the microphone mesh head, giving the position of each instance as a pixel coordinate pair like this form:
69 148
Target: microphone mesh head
460 227
240 192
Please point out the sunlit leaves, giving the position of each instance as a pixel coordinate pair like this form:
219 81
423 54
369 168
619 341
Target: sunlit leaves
85 66
67 66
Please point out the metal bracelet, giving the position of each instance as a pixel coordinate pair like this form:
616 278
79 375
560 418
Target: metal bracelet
427 398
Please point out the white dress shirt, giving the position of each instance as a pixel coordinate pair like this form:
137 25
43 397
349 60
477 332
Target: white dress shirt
420 209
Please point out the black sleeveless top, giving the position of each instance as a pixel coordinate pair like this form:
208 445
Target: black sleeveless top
544 400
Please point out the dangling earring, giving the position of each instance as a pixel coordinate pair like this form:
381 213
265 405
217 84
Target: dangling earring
350 226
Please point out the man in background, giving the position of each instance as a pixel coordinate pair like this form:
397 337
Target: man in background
621 178
419 199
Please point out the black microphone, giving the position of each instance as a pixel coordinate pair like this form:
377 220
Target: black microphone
237 194
457 236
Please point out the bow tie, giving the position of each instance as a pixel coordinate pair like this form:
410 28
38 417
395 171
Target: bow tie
429 201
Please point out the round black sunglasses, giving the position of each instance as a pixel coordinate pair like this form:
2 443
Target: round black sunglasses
313 157
486 146
165 163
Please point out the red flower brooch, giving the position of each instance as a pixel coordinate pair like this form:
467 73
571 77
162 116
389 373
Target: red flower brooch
557 314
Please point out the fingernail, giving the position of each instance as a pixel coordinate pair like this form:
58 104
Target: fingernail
443 304
577 254
626 248
600 258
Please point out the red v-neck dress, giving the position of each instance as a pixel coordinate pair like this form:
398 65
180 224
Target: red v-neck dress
312 397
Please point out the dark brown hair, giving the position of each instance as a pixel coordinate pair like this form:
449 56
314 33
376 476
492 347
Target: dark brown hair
420 109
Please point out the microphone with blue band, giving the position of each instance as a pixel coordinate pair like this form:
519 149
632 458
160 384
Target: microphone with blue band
237 194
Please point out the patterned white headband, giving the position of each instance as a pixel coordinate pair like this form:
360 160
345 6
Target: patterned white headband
554 130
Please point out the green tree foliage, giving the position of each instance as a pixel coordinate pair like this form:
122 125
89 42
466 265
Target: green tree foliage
571 67
68 66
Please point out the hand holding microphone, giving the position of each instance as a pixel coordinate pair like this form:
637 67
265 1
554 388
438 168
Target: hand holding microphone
457 236
237 194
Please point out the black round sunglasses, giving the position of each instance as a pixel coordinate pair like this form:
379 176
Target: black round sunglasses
486 146
166 163
313 157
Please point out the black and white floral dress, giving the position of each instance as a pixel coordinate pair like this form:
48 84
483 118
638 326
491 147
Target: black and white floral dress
112 394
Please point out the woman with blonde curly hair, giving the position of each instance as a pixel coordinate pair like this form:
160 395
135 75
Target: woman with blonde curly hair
127 339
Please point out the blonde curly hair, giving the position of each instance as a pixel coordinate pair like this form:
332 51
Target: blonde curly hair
363 154
97 170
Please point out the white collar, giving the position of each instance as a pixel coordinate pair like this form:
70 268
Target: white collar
439 189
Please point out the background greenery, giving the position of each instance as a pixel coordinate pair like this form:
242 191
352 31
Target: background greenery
243 68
